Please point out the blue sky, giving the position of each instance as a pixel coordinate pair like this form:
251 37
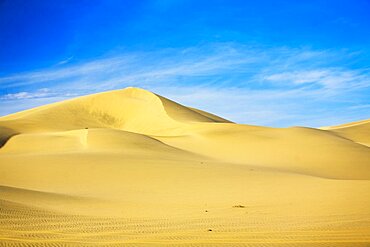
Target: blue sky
276 63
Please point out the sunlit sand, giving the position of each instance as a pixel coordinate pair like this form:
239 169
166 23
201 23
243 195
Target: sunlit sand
129 167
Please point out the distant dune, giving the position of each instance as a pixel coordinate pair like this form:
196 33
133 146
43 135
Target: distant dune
132 167
358 132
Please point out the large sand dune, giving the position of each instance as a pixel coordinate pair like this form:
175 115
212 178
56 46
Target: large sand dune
129 167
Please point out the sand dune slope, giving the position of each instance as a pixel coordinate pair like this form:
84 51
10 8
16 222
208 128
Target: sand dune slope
130 167
357 131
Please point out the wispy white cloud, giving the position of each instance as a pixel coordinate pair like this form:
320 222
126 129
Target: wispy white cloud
328 78
41 93
62 74
65 60
364 106
268 86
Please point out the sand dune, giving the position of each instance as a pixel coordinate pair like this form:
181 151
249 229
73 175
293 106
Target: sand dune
131 167
357 131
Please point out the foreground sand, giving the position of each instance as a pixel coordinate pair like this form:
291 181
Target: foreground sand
129 167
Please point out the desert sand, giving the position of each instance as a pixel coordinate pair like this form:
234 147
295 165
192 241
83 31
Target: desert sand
131 168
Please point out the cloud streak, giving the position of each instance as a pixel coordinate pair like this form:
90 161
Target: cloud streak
327 78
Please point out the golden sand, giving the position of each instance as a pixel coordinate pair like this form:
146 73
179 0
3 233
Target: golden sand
131 168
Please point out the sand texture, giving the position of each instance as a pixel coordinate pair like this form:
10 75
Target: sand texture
132 168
